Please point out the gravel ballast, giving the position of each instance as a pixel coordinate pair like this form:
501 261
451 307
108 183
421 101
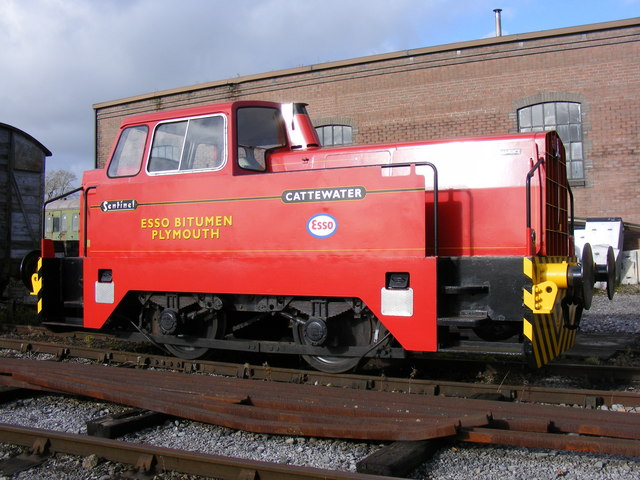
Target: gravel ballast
452 461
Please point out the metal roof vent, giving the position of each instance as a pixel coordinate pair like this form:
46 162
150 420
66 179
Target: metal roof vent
498 22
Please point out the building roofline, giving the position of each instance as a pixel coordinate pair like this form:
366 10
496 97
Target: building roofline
631 22
45 150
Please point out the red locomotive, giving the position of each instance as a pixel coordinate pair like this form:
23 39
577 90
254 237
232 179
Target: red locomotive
229 227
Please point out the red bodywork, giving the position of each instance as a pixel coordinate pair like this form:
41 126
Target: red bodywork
234 231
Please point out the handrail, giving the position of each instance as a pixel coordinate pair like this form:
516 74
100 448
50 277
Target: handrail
84 219
385 165
529 176
573 218
435 195
569 191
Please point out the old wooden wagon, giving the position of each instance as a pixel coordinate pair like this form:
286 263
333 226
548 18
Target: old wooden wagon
22 168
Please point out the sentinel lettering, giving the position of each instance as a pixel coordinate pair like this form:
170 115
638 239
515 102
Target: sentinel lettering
118 205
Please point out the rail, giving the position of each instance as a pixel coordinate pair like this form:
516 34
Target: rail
312 410
150 459
86 228
530 175
392 165
435 195
386 165
529 393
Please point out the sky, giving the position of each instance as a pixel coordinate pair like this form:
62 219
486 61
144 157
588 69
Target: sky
60 57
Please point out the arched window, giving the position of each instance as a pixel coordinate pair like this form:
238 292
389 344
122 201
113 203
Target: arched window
335 135
566 119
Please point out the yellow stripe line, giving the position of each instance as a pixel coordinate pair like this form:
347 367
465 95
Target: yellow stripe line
265 251
266 197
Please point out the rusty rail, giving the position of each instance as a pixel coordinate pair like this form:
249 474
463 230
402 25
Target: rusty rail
581 443
158 459
524 393
260 407
270 407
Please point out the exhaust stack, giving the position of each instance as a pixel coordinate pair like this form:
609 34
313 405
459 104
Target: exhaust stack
302 135
498 22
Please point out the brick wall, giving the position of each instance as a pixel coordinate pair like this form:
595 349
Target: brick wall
465 89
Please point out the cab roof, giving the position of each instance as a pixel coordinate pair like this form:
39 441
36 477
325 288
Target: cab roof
226 108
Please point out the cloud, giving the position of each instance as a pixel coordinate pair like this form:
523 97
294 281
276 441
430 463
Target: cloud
60 57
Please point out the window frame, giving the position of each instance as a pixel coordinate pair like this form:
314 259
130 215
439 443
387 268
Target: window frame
224 155
320 129
249 149
75 222
114 162
572 127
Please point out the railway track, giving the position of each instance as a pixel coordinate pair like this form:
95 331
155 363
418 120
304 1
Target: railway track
311 410
523 392
149 459
416 423
476 422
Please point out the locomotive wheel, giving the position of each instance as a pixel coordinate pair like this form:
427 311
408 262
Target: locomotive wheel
198 329
186 352
342 331
498 331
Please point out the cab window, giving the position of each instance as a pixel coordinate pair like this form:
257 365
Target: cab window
260 129
127 158
194 144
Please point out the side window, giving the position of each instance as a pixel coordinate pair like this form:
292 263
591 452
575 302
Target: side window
127 157
260 129
189 145
167 146
204 146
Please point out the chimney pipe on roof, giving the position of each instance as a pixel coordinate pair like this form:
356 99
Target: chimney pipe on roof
498 22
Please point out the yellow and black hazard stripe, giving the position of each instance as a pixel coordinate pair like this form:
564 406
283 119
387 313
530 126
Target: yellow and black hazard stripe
545 325
548 336
36 283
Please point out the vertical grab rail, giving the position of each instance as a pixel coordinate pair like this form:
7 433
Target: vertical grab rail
84 218
529 176
435 206
435 195
573 223
569 191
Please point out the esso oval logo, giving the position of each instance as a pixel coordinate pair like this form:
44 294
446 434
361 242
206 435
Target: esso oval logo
322 225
